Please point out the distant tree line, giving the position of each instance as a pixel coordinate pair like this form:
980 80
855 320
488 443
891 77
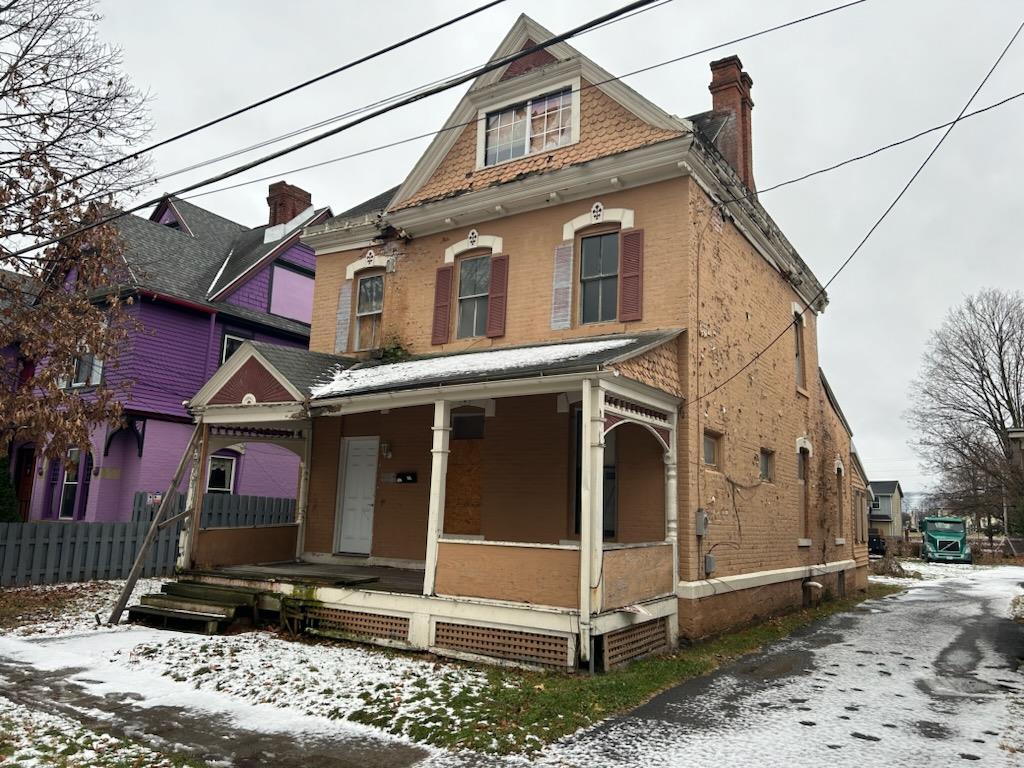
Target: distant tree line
967 397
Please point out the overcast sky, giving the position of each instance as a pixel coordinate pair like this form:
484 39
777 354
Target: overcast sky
824 90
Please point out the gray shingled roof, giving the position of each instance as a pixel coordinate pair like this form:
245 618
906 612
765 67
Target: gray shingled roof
301 367
246 251
375 204
710 123
171 261
884 487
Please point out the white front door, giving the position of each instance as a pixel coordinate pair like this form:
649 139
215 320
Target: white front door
355 511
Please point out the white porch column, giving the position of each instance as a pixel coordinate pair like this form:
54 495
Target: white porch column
194 500
302 499
672 513
591 508
438 477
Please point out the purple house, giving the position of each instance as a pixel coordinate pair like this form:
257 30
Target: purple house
203 286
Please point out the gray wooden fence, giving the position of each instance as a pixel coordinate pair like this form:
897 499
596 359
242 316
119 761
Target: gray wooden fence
50 552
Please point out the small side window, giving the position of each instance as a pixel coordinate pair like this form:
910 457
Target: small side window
221 478
712 449
767 465
229 345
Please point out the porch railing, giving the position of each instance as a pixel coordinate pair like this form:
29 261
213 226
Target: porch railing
633 573
539 574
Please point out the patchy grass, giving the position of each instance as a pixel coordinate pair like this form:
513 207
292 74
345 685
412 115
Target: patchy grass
521 711
20 606
29 737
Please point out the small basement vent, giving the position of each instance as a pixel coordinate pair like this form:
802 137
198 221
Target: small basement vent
630 643
525 647
359 624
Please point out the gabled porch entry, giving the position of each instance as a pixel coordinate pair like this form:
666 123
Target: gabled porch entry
538 508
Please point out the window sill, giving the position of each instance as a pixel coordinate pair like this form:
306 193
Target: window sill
840 541
803 392
803 543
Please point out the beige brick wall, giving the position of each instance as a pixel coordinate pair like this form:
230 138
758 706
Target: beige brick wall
530 240
738 305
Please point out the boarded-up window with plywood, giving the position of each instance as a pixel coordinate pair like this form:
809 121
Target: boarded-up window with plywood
464 484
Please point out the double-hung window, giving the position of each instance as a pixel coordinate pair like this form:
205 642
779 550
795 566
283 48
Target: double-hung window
69 488
369 311
85 372
599 278
798 336
230 345
537 125
222 474
474 289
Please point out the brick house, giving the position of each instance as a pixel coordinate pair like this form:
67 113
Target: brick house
562 472
202 285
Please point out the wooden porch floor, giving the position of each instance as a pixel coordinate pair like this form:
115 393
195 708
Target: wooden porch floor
378 578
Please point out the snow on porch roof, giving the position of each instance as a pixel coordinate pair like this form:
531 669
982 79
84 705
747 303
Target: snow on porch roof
497 364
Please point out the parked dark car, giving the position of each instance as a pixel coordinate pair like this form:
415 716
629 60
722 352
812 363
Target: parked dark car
876 544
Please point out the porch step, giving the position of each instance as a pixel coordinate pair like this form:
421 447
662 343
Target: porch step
168 618
199 591
208 606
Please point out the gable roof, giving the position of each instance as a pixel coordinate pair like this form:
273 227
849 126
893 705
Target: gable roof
184 263
461 122
251 248
834 402
885 487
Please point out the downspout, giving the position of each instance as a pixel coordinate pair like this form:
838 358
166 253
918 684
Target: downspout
585 524
209 343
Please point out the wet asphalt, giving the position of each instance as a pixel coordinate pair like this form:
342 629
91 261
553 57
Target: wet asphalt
931 677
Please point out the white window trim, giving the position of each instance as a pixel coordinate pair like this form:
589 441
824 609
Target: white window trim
234 468
459 298
224 344
358 347
471 243
64 486
520 97
369 261
803 442
624 216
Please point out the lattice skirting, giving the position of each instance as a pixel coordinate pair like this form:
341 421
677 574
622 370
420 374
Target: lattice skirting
630 643
509 644
359 624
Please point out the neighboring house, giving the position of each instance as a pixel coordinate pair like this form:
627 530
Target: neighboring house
203 285
886 515
566 470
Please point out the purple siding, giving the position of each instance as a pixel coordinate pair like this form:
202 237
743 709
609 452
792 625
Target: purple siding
300 255
253 293
168 216
292 295
166 359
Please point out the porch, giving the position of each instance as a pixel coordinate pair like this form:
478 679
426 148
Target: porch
530 520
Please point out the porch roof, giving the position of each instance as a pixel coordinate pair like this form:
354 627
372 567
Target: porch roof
571 356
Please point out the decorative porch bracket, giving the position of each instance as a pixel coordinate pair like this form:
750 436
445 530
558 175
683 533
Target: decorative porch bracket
438 478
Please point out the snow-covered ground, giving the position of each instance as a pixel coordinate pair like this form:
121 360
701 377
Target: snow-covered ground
78 615
929 572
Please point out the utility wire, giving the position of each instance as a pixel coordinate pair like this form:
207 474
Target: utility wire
874 227
757 192
346 126
458 126
259 103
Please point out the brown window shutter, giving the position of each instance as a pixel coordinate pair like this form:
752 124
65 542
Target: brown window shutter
441 328
631 275
497 299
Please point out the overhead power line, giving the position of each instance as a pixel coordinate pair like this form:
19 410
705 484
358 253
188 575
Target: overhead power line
756 192
259 103
457 126
346 126
875 226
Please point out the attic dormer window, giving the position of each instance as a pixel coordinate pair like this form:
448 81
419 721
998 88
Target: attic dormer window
173 224
537 125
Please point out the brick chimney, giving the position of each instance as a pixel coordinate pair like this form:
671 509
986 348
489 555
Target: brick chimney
286 202
730 94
